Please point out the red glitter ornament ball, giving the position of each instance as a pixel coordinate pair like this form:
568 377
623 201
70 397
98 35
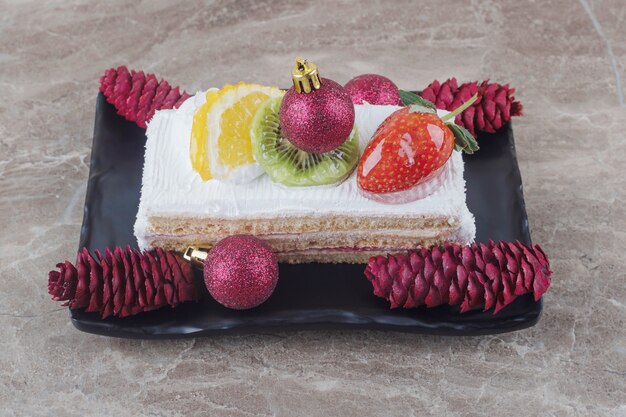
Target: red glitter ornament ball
241 272
373 89
319 121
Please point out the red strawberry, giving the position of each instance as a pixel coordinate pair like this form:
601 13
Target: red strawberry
406 149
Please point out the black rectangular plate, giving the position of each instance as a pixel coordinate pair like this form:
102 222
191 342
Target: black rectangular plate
308 296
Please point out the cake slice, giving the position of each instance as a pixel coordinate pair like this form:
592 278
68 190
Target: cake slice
332 223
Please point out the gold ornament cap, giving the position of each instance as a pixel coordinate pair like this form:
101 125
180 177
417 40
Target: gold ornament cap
196 255
305 76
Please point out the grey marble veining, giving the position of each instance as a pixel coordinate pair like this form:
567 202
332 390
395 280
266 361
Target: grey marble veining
567 60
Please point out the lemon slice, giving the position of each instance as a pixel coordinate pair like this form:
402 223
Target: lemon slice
221 147
199 133
228 120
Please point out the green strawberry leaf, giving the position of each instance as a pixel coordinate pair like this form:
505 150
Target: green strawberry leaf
463 139
408 98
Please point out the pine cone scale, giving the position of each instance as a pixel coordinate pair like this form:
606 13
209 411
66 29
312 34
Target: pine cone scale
81 295
138 278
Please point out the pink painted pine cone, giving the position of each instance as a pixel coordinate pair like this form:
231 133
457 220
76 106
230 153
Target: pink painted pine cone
495 105
491 275
123 282
137 96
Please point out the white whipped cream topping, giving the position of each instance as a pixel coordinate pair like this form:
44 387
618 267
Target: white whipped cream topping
172 187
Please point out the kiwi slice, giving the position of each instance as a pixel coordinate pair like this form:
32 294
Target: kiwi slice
288 165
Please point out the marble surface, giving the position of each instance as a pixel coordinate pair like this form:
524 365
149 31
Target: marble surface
566 58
